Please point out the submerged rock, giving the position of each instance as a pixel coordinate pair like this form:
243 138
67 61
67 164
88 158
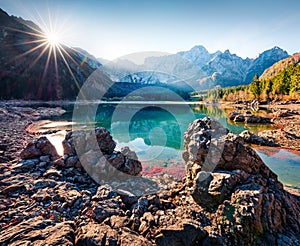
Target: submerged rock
247 118
258 140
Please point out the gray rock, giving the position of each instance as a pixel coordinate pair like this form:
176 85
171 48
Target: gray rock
209 148
72 161
247 118
100 139
69 196
75 141
45 158
104 192
43 183
129 153
97 155
28 165
140 207
106 208
212 190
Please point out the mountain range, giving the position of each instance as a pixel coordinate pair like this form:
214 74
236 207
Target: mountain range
28 69
196 67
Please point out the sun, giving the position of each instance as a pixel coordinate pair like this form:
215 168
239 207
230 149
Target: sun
47 41
53 38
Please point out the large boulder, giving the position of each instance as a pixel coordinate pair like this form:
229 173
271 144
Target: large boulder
80 141
95 151
39 147
229 180
209 146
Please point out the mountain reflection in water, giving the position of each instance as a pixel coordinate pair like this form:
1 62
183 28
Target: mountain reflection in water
155 131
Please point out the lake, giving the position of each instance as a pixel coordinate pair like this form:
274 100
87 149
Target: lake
154 130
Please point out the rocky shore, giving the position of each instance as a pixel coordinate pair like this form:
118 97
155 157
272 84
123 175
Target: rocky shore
13 123
288 133
228 197
285 117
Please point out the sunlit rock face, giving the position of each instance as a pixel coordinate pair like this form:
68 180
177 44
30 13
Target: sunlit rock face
34 69
38 148
229 180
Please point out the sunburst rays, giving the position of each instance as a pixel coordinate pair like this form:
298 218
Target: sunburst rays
46 44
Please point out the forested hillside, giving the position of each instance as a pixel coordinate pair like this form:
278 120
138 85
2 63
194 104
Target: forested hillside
279 82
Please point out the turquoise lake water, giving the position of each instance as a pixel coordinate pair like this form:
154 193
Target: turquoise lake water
155 131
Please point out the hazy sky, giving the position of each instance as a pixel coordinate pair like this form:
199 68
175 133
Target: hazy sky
112 28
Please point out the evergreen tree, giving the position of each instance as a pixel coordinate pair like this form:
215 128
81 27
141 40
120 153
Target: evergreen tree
255 87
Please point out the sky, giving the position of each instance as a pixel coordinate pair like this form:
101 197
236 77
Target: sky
114 28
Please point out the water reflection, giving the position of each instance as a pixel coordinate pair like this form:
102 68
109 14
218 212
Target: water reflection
158 124
285 163
156 134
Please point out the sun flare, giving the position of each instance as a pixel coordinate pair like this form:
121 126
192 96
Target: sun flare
48 42
52 38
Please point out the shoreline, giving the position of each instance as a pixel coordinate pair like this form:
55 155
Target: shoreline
12 144
287 135
286 117
49 195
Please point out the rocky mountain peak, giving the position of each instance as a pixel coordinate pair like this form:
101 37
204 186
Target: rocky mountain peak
275 51
264 61
279 66
199 47
197 55
3 13
233 70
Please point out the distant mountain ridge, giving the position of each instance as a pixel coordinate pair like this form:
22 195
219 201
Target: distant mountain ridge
199 68
264 61
279 66
199 55
228 69
27 71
